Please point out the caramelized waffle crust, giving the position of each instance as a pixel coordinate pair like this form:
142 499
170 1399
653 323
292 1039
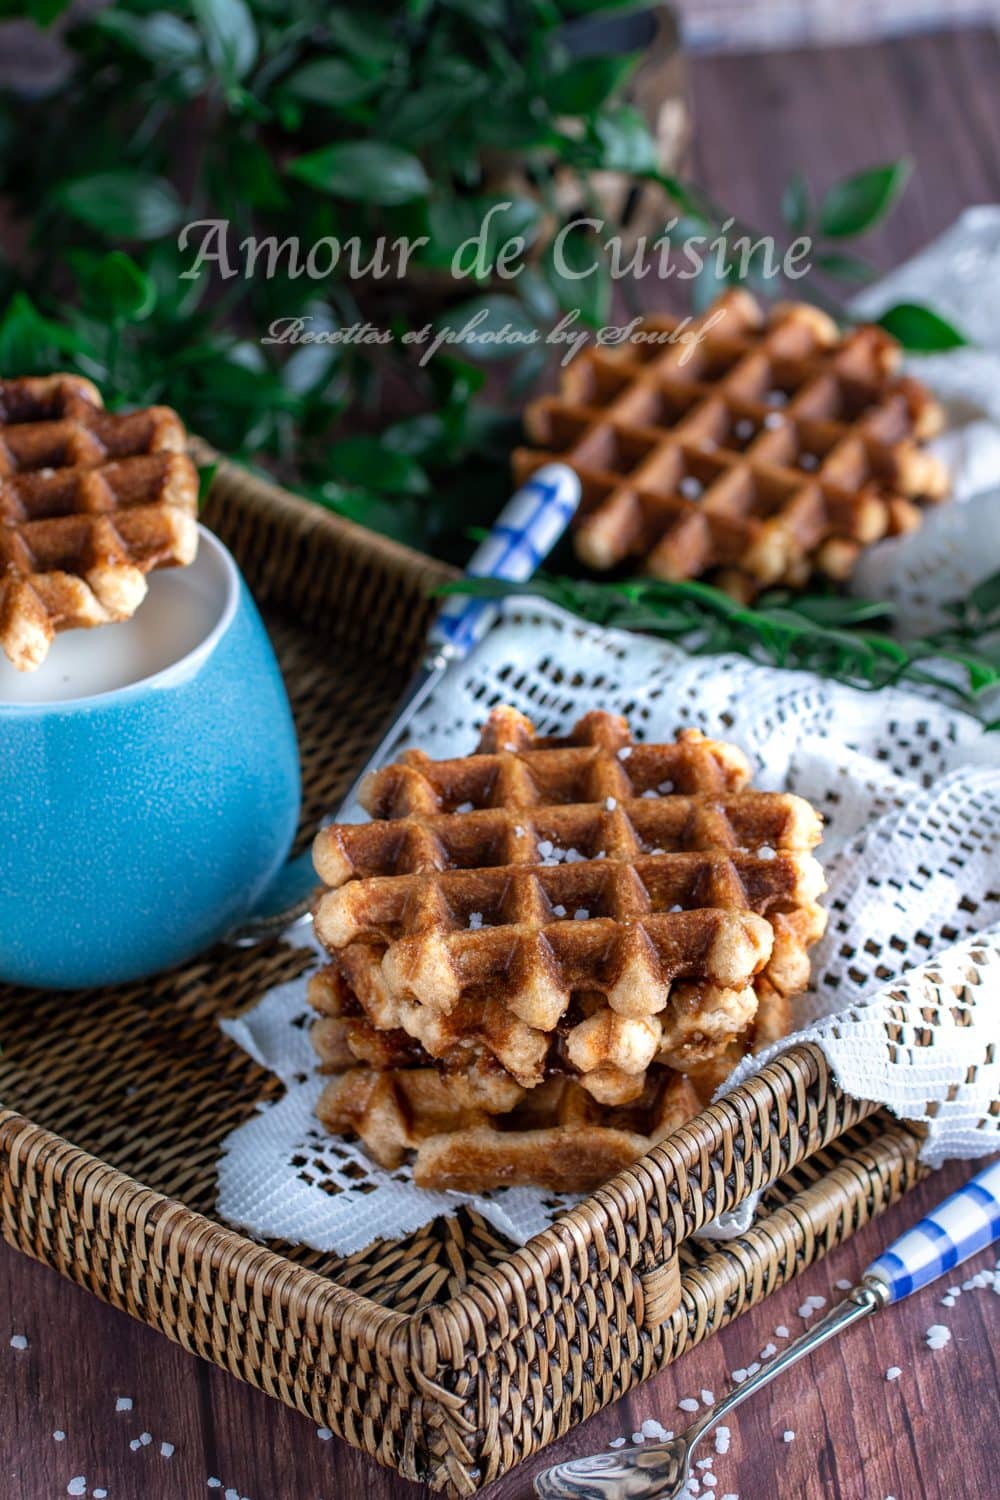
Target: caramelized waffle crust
578 908
90 502
756 449
556 1137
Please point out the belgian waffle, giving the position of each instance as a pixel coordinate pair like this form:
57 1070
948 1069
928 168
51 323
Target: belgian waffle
555 1137
579 907
90 502
770 449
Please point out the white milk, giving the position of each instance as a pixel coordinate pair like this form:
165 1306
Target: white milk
182 607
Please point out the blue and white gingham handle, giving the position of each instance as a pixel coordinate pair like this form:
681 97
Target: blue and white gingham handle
966 1222
523 535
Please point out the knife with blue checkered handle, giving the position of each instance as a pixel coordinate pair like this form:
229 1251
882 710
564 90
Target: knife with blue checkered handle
519 540
967 1221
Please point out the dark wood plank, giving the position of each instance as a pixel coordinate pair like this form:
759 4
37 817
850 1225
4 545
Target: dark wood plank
857 1437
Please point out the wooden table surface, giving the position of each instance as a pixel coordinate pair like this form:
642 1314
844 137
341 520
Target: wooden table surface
934 1432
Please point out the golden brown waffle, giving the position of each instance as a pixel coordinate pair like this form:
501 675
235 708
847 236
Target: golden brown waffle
555 1137
771 449
578 907
90 502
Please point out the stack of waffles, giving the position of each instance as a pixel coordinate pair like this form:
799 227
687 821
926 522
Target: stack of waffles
751 449
90 502
547 954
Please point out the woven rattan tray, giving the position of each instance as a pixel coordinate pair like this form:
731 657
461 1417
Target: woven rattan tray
448 1355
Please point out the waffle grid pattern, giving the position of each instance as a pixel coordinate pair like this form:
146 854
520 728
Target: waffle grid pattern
753 449
464 934
90 502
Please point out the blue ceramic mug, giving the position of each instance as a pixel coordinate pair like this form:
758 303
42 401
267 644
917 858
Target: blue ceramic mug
149 778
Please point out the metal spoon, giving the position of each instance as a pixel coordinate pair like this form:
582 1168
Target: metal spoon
963 1223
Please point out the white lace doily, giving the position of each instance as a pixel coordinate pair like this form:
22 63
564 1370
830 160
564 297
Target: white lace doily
906 982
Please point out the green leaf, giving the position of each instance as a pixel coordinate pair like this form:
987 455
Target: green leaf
230 36
584 85
124 204
624 142
366 461
31 344
920 329
579 276
367 171
362 34
984 599
853 206
160 37
331 81
844 267
118 290
796 206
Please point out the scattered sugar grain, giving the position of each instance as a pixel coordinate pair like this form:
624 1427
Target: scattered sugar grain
843 1285
688 1403
545 847
519 830
937 1336
690 487
213 1483
625 752
464 807
947 1301
654 1429
752 1369
59 1436
145 1438
618 1442
666 787
135 1445
324 1434
559 911
781 1332
768 1351
739 1376
581 914
788 1436
166 1450
638 1437
124 1403
710 1480
766 852
708 1398
610 803
722 1437
77 1485
893 1372
475 921
703 1463
774 419
100 1494
19 1341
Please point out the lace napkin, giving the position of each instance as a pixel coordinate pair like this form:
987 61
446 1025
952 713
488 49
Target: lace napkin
905 996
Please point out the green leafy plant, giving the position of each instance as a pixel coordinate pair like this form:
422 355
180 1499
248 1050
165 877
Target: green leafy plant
833 636
422 120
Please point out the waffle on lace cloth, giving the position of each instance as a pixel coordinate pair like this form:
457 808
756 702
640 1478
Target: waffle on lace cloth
773 449
474 1127
642 939
556 1136
90 502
